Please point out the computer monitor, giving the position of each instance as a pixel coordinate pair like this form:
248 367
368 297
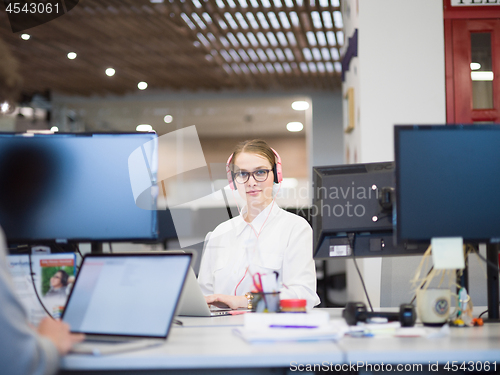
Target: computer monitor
447 185
352 212
71 187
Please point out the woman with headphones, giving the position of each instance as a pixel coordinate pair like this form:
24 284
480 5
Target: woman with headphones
264 239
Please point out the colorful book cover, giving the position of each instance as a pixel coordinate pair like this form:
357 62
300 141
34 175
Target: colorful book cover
53 276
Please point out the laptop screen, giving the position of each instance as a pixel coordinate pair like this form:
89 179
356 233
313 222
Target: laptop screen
126 294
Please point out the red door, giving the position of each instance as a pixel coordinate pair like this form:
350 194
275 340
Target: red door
472 48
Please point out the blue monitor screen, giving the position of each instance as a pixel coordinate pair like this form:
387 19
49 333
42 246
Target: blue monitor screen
448 182
71 187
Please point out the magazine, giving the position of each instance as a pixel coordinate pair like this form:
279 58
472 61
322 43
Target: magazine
53 276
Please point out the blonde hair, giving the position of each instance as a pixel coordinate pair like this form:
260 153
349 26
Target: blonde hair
254 146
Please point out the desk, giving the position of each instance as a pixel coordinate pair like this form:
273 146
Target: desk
202 344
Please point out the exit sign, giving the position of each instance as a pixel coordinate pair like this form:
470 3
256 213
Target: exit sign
457 3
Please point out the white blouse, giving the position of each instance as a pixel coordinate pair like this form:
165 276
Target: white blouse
284 244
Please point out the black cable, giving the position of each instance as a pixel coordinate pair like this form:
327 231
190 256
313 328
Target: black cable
363 283
34 287
488 262
484 312
110 248
178 322
227 204
78 250
382 216
350 237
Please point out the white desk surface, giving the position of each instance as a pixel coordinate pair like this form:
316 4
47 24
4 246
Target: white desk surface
208 343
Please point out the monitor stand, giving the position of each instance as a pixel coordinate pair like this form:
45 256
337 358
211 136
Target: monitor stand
492 283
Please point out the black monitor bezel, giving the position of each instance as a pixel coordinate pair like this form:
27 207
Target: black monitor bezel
132 254
50 241
446 127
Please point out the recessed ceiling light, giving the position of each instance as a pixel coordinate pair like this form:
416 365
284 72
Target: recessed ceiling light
300 105
142 85
4 107
110 72
54 129
294 126
168 119
156 1
475 66
25 36
144 128
71 55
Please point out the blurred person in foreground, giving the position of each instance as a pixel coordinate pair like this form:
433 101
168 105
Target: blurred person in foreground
24 350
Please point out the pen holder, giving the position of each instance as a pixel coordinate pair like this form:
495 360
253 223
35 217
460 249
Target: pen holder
266 302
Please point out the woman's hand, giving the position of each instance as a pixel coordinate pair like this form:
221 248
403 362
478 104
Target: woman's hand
234 302
58 332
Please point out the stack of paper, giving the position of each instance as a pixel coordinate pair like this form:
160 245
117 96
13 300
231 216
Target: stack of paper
314 325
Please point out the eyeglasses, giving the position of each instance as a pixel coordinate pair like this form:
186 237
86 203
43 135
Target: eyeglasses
56 277
260 175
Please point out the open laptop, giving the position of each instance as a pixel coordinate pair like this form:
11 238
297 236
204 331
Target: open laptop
192 302
125 301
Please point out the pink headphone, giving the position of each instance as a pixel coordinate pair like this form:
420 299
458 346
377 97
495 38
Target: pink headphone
277 170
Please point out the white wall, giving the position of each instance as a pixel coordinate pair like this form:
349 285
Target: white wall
402 71
398 78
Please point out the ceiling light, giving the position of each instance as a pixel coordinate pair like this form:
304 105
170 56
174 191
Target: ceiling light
4 107
168 119
241 20
144 128
142 85
156 1
54 129
71 55
262 20
198 20
25 36
294 126
340 38
475 66
300 105
481 76
307 54
337 17
110 72
316 18
188 21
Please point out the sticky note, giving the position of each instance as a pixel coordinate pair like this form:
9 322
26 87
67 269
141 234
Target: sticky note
448 253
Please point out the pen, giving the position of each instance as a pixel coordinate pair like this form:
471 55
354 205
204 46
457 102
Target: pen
290 326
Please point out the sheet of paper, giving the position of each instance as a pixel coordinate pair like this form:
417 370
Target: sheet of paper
448 253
